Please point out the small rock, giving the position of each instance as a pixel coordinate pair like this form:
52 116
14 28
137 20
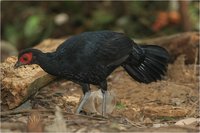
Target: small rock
148 121
95 131
61 18
94 103
186 121
160 125
177 101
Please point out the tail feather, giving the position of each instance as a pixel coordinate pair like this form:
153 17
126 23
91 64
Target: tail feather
149 70
150 67
156 50
134 73
155 68
154 63
147 74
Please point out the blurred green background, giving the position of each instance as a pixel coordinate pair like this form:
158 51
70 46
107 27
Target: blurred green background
25 24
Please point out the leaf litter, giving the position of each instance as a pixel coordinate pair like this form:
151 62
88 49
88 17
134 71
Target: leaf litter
159 106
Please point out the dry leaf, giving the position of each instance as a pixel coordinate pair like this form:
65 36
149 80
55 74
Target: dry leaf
58 124
34 123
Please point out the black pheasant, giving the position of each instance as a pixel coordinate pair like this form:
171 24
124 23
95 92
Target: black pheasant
90 57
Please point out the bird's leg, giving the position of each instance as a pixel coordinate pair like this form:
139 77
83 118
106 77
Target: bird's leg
103 86
86 92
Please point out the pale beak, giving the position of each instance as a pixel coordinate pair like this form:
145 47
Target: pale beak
18 64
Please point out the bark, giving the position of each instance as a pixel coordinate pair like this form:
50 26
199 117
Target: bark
17 85
185 16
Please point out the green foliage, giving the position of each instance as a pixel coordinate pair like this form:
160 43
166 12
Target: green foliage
73 6
32 26
25 24
136 7
194 11
11 34
101 18
120 106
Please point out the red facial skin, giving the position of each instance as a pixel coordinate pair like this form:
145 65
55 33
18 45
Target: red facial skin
26 58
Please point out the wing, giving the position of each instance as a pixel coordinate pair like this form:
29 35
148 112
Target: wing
90 49
114 50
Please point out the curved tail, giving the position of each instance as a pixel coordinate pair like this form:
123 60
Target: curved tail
147 64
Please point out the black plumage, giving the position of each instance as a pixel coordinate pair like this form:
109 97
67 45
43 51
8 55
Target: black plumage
90 57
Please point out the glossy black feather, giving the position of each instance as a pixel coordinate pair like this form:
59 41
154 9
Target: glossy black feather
91 56
151 64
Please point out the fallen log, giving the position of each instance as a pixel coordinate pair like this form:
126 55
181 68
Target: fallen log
178 44
17 85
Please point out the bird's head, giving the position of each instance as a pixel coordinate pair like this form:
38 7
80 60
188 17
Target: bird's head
27 57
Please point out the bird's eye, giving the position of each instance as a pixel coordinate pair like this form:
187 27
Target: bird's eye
25 59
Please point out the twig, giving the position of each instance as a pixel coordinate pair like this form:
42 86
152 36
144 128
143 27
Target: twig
195 62
93 117
12 125
134 124
13 112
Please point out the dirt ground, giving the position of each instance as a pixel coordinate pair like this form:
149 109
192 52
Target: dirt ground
154 107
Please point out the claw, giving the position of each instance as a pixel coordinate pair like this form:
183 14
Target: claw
83 100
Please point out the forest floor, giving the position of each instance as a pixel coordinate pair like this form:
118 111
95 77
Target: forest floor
168 105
